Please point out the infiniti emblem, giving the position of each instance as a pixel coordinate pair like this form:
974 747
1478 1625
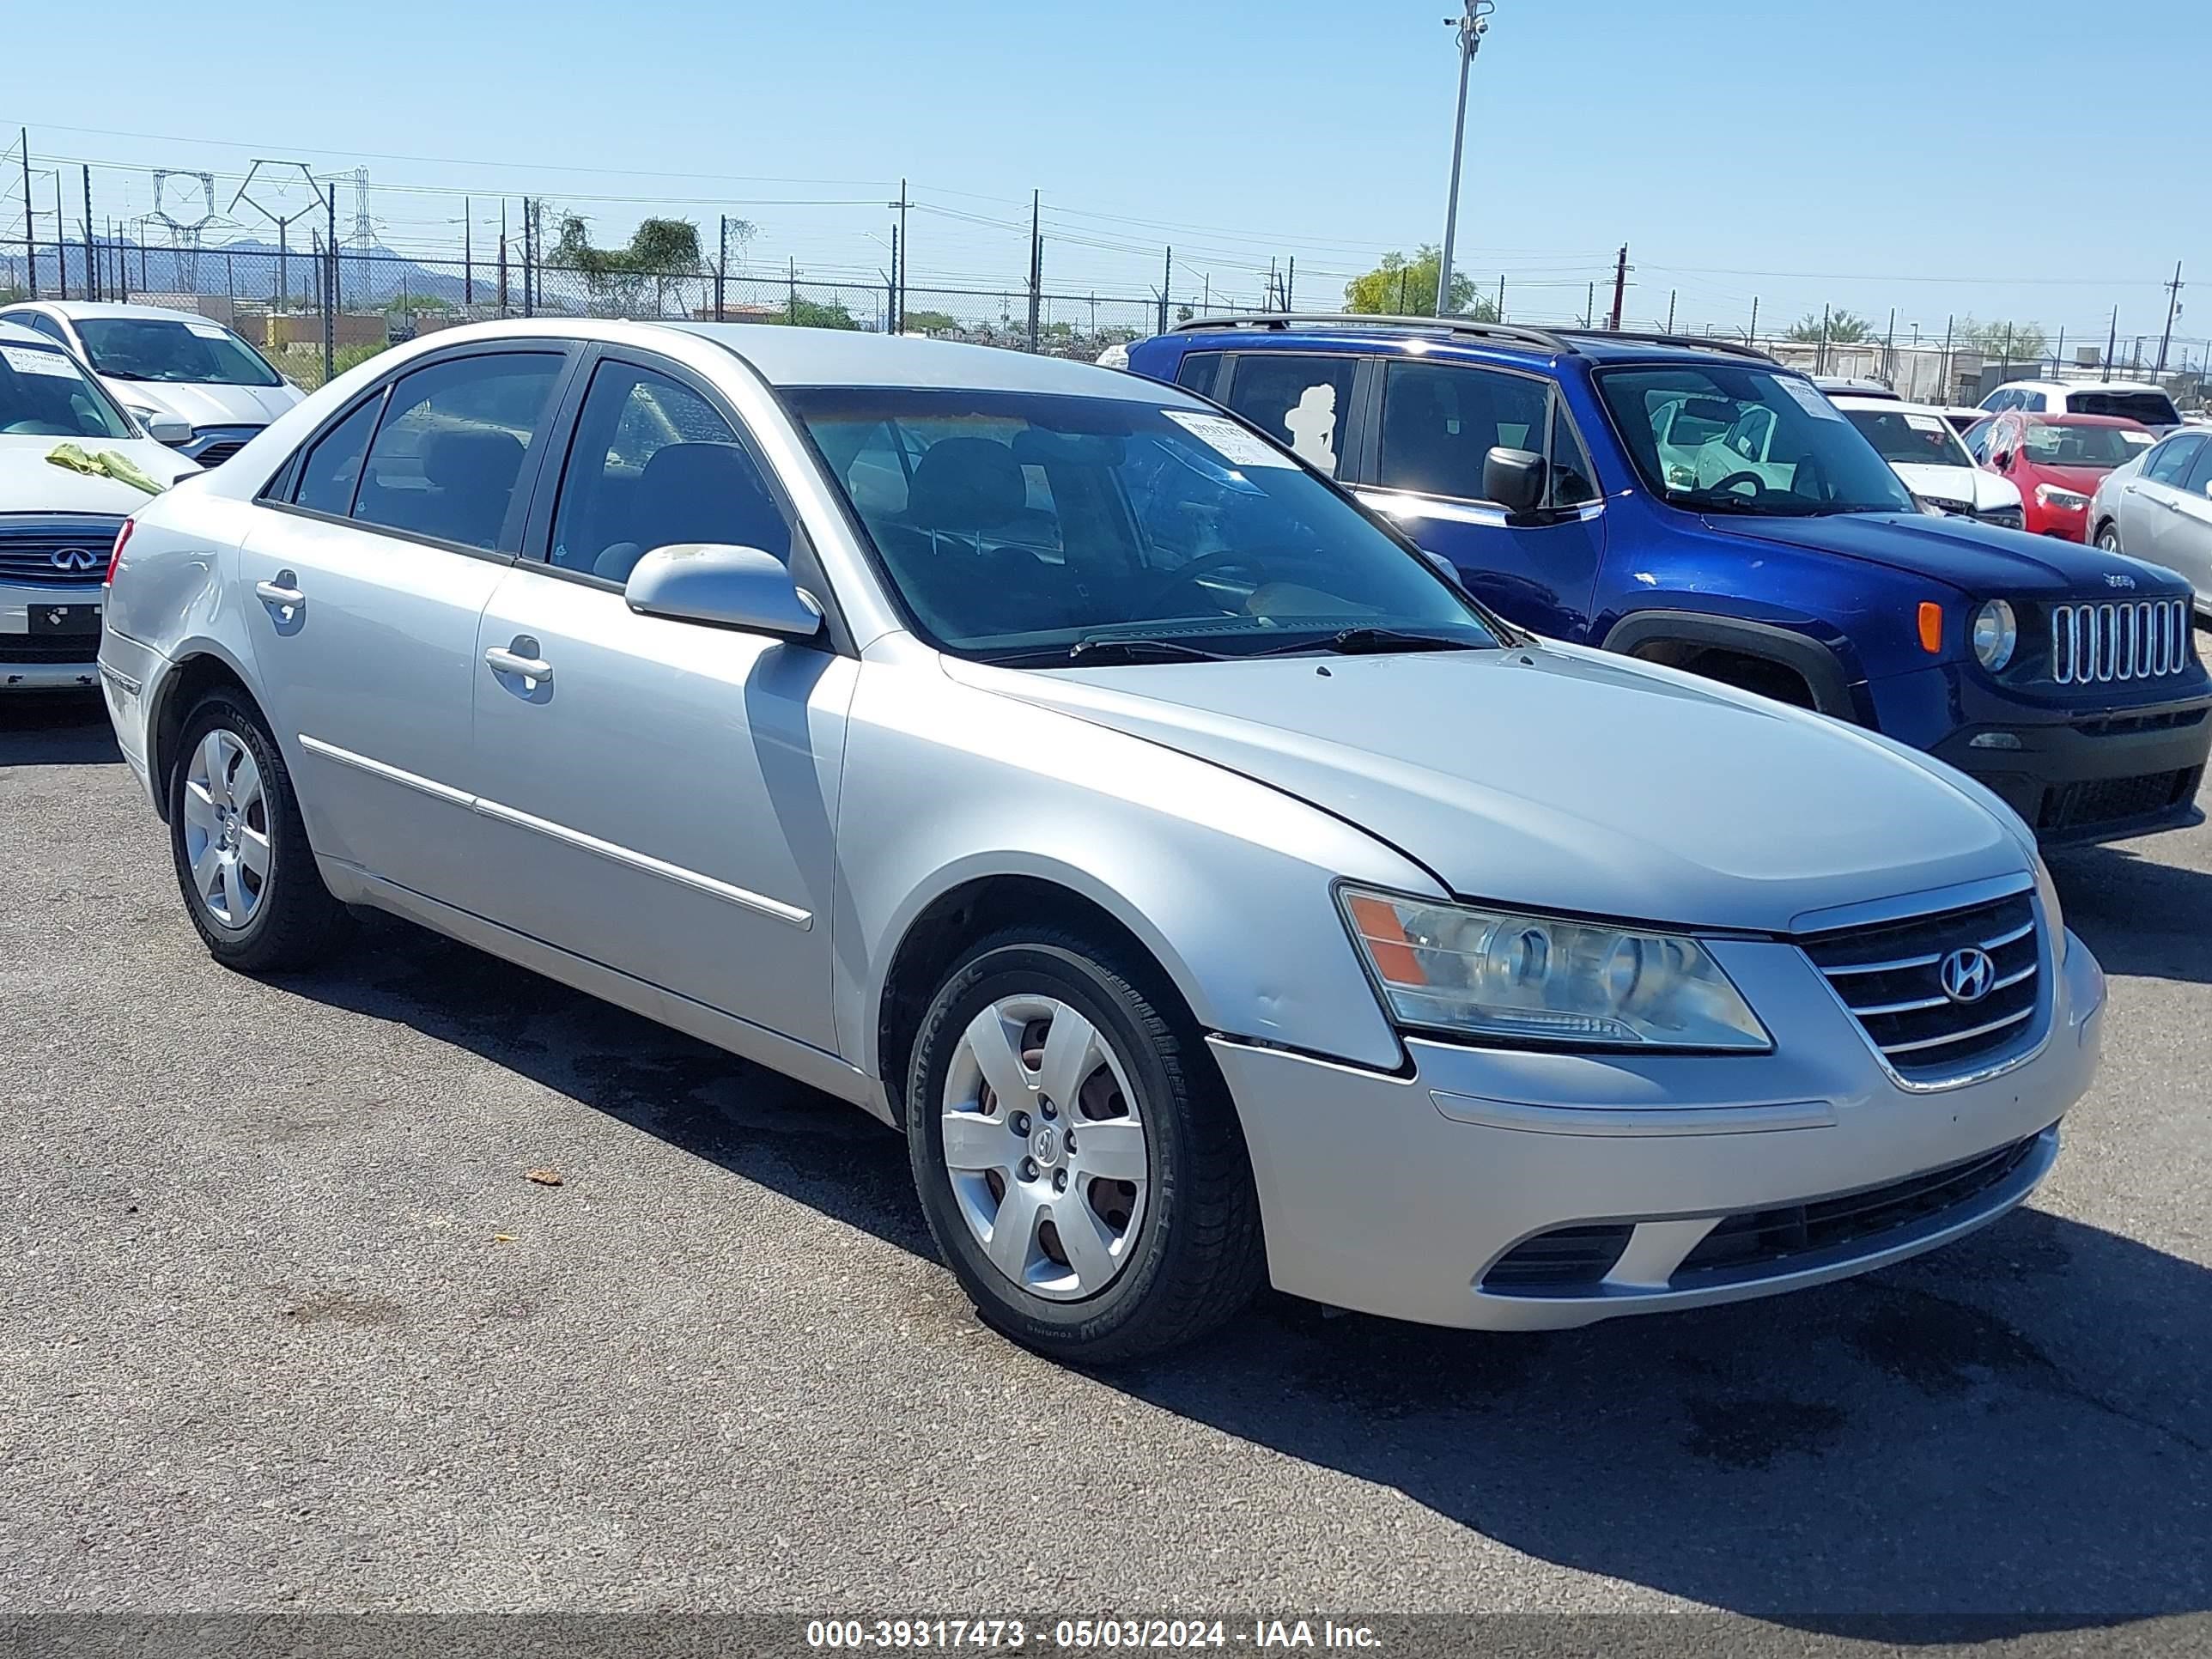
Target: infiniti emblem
73 558
1967 975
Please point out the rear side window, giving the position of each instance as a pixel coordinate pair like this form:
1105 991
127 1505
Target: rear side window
332 471
2169 461
2149 408
1198 370
450 449
2200 475
1440 421
1305 401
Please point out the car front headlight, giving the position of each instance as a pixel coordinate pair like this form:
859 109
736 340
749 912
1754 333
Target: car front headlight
1469 972
1996 635
2066 501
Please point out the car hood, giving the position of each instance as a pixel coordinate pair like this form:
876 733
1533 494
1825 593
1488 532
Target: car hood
1559 779
29 483
207 405
1983 560
2084 479
1977 488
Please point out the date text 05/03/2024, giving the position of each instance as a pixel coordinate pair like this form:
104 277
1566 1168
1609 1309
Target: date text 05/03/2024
1087 1634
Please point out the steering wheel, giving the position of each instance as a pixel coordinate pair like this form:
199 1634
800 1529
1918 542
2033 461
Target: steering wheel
1188 574
1758 489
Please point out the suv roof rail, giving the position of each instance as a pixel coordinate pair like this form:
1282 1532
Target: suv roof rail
1508 333
1690 341
1544 339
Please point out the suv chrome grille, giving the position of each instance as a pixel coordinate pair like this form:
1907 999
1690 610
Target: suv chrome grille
1891 978
29 545
2097 644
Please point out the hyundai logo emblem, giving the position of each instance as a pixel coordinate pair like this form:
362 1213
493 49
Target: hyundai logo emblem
1967 975
74 558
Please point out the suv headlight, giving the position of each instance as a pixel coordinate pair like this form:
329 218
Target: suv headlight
1469 972
1996 635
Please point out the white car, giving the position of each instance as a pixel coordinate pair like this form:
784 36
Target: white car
1923 448
189 381
58 526
2130 400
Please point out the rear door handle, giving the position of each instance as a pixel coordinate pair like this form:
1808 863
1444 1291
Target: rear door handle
500 660
280 590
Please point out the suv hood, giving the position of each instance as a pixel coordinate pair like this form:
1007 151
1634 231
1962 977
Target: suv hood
1560 779
206 404
1979 559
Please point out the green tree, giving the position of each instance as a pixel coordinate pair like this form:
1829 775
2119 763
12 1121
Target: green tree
417 304
931 322
659 249
803 312
1407 288
2005 340
1844 328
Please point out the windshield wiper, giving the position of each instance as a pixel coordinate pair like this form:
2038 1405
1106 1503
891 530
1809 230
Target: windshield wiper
118 373
1374 641
1140 647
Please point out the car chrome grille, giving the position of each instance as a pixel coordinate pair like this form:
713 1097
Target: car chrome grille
1891 977
29 545
2105 644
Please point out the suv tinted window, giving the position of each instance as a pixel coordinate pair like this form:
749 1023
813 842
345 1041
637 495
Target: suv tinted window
1305 401
1197 370
2169 461
332 469
653 465
1441 419
452 444
2149 408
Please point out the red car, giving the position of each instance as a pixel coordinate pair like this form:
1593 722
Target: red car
2057 461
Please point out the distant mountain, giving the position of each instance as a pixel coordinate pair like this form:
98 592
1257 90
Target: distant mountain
247 270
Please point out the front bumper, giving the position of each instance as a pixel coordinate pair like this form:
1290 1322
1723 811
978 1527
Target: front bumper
1397 1194
2102 775
32 655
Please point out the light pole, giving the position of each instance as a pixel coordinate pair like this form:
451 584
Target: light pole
1470 29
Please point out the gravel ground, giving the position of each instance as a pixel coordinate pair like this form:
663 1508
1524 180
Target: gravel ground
283 1325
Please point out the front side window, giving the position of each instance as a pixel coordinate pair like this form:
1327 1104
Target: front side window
2169 461
1905 439
189 350
655 464
1305 400
449 451
1441 419
43 393
1674 419
1018 527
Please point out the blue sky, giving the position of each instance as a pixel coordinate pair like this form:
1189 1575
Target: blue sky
1906 153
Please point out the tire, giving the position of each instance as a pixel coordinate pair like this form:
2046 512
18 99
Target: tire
1183 1246
2108 537
232 808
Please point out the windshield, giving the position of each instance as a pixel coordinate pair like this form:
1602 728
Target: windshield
1019 528
2151 407
189 350
2082 445
1905 439
1734 438
43 393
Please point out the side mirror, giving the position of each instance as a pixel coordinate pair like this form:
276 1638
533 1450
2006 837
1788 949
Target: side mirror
1445 567
723 586
1514 478
168 428
2001 460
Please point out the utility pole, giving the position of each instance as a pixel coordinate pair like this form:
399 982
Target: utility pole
1671 294
2112 345
1751 336
1167 285
1501 296
502 256
1889 350
1469 28
2173 311
529 257
91 273
1619 287
722 267
790 312
1948 389
1820 363
331 281
1590 304
1291 285
1037 260
468 262
899 245
30 222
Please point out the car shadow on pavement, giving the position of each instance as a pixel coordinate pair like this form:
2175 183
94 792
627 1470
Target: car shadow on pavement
55 728
2140 915
2016 1431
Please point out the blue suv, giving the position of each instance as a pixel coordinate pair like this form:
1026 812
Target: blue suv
1695 504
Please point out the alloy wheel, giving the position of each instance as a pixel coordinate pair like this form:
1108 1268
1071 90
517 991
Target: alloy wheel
226 828
1046 1146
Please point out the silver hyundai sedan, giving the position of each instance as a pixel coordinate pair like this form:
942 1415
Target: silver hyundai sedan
1051 764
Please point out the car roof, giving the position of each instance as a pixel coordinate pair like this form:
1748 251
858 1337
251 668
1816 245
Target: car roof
786 356
2079 386
1891 406
91 308
2071 419
1457 335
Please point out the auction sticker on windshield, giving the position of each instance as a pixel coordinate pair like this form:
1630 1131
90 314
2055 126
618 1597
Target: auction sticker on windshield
1230 440
1810 399
1924 423
205 330
29 360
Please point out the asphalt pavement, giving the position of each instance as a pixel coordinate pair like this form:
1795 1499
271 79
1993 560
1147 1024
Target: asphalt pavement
284 1324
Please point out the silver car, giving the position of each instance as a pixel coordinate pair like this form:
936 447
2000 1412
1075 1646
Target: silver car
2158 507
1053 766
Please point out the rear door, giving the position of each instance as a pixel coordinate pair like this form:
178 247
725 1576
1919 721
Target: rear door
1438 422
1305 400
362 585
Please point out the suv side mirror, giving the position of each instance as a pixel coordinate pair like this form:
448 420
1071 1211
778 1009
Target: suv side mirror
1514 478
724 587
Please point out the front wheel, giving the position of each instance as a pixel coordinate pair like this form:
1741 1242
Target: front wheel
2108 538
1079 1161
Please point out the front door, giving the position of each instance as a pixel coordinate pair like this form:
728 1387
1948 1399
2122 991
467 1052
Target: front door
660 796
361 589
1440 421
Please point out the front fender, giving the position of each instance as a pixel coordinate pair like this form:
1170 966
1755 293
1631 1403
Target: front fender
1838 689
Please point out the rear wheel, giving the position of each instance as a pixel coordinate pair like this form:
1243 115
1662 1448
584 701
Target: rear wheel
241 855
1079 1162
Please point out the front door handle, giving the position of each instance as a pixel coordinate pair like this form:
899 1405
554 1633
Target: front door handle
500 660
280 590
